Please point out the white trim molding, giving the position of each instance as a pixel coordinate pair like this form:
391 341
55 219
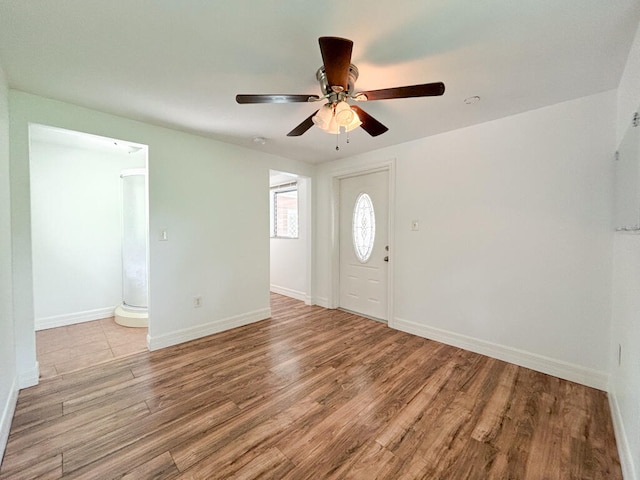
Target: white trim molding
622 441
193 333
73 318
30 377
321 302
7 416
288 292
540 363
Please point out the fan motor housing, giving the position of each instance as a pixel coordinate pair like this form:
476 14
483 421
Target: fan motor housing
326 89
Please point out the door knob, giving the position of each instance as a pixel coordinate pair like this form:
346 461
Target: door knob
386 258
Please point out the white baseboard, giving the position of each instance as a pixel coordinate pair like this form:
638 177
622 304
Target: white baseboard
30 377
622 441
73 318
187 334
7 416
288 292
540 363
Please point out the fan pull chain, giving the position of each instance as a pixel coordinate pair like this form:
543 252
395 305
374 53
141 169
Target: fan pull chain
337 147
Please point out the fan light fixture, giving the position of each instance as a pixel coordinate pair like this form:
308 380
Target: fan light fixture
333 116
337 78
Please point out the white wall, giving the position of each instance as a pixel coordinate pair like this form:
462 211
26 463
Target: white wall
624 388
217 249
76 231
8 372
290 256
513 255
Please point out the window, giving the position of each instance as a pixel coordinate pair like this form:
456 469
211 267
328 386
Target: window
364 227
284 211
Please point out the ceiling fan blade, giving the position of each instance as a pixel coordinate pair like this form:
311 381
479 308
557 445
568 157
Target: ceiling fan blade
275 98
303 127
424 90
370 125
336 57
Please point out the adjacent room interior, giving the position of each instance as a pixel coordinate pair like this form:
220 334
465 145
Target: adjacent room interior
89 228
408 251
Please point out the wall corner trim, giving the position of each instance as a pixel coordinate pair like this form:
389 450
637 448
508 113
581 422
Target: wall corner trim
199 331
622 441
8 410
321 302
539 363
29 377
288 292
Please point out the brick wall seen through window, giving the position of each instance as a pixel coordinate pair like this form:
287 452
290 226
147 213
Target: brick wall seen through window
284 215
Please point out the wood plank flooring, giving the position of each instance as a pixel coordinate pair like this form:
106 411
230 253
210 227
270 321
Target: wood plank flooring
310 394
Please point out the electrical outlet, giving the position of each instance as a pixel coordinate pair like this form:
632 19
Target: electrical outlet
197 301
163 236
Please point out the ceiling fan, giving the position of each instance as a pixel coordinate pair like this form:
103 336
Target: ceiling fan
337 78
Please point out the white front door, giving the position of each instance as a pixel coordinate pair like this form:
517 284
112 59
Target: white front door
364 233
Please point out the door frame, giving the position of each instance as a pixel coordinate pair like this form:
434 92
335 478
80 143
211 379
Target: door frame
355 171
307 213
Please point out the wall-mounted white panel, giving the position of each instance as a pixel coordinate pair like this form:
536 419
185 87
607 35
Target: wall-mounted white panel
627 181
624 351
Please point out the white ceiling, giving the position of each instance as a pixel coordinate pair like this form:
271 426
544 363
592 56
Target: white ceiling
180 63
69 138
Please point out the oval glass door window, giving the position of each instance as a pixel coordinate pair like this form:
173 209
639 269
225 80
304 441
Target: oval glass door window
364 227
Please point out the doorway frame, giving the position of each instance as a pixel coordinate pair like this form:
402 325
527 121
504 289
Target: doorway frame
355 171
307 182
35 374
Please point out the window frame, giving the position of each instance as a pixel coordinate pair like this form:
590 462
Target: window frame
363 197
274 191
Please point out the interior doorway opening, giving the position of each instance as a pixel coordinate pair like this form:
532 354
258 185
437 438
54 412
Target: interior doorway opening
79 211
290 235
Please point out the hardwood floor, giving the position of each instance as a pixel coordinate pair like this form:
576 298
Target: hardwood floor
310 394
